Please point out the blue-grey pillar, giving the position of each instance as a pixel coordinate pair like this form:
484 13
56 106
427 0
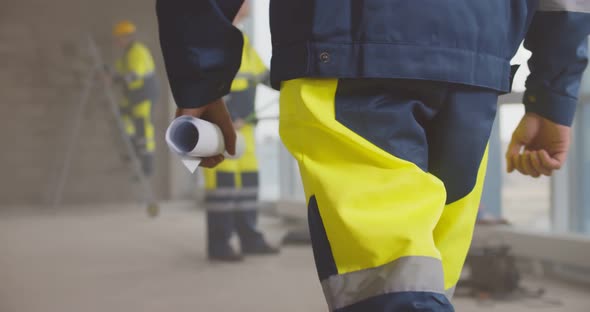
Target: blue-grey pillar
580 162
491 200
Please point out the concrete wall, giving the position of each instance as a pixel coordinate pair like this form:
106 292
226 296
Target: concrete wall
43 62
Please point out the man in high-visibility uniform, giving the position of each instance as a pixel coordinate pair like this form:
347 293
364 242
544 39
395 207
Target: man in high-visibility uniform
232 187
135 73
388 106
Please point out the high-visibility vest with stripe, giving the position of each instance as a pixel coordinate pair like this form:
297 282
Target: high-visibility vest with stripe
252 72
137 68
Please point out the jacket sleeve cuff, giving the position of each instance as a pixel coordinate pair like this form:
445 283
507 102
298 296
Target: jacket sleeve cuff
195 94
555 107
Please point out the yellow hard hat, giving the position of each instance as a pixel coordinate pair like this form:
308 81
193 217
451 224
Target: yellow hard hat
124 28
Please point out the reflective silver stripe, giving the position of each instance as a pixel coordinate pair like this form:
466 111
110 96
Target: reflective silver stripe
247 191
133 76
221 206
130 77
231 192
450 293
247 76
247 205
250 76
582 6
222 192
422 274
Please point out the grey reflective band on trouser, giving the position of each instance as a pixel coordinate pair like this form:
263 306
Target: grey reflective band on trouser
222 206
232 192
221 192
582 6
247 191
247 205
450 293
419 274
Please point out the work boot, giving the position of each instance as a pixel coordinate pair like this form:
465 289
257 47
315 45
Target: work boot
251 240
297 237
219 231
260 249
225 255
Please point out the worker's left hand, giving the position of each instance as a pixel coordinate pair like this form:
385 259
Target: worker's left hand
538 146
216 113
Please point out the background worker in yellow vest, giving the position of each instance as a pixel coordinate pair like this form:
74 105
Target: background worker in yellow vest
232 187
135 73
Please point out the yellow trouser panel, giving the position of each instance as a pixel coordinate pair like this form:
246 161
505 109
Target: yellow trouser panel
141 113
393 171
126 117
129 126
376 208
455 229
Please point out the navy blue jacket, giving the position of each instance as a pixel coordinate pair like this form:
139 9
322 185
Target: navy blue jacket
461 41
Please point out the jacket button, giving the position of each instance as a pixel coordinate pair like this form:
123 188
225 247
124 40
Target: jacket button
325 57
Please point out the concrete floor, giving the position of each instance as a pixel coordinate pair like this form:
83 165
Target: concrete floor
116 259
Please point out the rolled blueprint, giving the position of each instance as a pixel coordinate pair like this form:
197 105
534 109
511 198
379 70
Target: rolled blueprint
193 139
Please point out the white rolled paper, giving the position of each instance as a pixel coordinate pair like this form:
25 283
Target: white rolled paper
193 139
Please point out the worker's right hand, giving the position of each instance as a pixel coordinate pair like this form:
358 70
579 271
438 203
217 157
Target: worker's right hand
216 113
538 146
